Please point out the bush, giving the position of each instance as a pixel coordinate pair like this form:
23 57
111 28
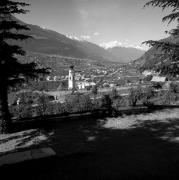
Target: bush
120 102
21 111
94 91
43 107
116 103
88 88
106 102
56 108
149 92
148 78
148 103
96 104
85 103
24 106
174 87
170 97
78 103
135 94
114 94
147 95
157 85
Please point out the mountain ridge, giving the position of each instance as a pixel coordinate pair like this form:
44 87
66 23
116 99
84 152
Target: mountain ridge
51 42
149 59
127 53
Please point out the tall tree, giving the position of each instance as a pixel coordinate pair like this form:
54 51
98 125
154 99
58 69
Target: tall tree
168 59
11 70
94 91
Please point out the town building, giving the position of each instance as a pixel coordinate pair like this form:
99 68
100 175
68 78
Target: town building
158 79
71 78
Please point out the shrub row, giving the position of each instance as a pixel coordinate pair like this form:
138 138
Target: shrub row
40 105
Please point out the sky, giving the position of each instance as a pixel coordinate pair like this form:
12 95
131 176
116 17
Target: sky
104 22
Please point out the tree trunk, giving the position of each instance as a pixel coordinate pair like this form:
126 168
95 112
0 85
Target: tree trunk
5 120
134 102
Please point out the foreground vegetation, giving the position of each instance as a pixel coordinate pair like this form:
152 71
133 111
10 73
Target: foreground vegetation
36 104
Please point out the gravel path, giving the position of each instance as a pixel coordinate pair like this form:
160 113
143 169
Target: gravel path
144 146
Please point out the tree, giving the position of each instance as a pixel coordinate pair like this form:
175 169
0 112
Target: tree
114 94
12 71
78 103
43 104
135 94
168 59
106 103
94 91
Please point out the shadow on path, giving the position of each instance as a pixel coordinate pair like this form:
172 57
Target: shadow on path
87 150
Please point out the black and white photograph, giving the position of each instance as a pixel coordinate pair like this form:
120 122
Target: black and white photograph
89 89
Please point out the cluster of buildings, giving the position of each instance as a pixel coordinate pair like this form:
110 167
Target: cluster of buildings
56 78
155 77
104 77
80 80
74 81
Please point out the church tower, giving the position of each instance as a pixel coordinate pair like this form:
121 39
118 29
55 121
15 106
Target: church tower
71 78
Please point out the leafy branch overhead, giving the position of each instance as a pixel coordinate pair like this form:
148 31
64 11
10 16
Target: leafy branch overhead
166 47
163 4
167 58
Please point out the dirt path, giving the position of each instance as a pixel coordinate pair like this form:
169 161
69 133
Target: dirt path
131 147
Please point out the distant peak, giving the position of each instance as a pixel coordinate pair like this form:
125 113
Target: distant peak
73 37
81 38
113 44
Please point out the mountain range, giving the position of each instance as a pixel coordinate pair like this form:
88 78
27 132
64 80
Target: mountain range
52 43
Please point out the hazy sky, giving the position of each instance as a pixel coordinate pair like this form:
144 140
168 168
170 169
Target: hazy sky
101 21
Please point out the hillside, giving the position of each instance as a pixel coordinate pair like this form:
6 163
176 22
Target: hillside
149 59
52 43
59 65
127 54
49 42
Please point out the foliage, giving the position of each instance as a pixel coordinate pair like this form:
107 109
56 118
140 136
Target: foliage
24 106
11 70
35 104
78 103
148 78
106 102
149 92
170 97
50 109
174 87
120 102
46 85
168 60
114 94
147 95
96 103
135 94
94 91
43 107
88 88
157 85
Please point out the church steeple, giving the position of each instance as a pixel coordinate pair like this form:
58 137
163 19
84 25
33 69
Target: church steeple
71 78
